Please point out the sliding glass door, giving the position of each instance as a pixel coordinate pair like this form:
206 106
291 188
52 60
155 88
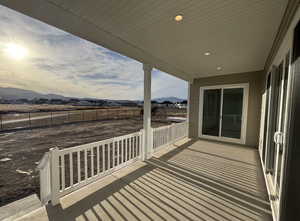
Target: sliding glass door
275 118
222 112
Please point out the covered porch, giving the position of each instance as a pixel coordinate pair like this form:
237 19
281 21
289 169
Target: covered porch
189 180
239 59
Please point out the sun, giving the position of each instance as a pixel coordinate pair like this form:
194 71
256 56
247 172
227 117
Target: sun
15 51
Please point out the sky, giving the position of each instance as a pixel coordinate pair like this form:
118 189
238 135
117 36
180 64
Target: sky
57 62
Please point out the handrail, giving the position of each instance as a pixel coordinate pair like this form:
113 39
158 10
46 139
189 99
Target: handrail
66 170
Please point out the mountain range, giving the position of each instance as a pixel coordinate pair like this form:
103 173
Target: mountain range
9 93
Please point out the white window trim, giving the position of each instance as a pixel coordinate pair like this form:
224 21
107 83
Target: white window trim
242 140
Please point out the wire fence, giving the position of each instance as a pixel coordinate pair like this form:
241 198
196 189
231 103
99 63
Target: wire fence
43 119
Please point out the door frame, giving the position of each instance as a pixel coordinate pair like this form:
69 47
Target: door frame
242 140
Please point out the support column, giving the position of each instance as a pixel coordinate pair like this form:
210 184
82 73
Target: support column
189 108
147 112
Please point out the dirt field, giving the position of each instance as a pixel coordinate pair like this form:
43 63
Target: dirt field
23 149
17 120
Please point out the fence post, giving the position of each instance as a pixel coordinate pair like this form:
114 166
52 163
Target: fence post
54 154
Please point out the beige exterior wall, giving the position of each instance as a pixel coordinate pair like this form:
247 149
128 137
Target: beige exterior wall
256 82
287 43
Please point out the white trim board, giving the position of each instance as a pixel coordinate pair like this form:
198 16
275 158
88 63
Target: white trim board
242 140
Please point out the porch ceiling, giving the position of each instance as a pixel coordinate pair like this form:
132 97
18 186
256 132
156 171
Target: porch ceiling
238 33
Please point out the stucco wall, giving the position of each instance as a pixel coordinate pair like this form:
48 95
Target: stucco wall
255 80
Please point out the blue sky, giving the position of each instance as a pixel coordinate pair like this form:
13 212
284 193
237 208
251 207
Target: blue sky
58 62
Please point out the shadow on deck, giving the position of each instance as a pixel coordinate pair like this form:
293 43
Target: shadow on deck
197 180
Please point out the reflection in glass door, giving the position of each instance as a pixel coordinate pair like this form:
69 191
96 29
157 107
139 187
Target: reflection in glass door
232 111
211 112
222 112
281 130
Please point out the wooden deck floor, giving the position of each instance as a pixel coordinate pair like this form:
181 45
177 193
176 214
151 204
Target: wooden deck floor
195 180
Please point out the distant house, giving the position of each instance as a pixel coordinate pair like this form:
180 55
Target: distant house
180 105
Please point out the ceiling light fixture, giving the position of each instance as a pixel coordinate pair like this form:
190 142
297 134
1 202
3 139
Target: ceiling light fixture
178 18
207 53
219 68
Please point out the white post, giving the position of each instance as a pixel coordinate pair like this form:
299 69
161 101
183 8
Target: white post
54 175
147 112
188 108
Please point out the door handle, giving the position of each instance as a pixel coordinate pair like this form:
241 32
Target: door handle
278 137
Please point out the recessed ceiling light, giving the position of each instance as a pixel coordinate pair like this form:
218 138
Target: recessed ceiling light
207 53
178 18
219 68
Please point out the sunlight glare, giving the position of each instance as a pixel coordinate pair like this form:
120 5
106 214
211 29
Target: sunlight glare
15 51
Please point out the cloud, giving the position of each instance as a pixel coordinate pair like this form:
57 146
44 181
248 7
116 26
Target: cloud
61 63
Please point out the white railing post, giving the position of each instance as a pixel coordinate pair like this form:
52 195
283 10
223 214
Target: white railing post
173 132
45 178
188 107
142 145
151 143
147 111
54 155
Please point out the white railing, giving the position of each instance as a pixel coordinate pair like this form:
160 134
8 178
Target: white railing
45 178
75 167
168 134
66 170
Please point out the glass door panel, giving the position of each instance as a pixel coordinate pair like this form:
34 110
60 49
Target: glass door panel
232 111
211 112
265 141
276 117
280 128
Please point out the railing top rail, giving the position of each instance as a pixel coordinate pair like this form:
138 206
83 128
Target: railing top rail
170 125
161 128
94 144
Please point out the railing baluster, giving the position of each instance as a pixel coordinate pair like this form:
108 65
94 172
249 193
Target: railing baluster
98 160
126 151
108 156
118 152
122 151
71 168
129 148
92 161
103 158
135 145
78 166
113 154
62 172
85 165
